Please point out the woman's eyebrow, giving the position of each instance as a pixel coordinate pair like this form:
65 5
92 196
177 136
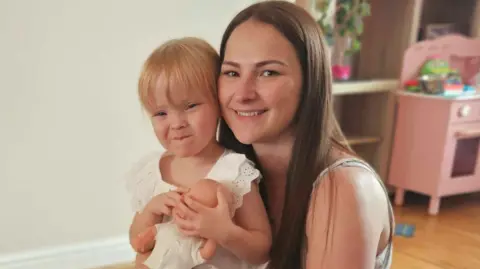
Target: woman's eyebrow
259 64
263 63
234 64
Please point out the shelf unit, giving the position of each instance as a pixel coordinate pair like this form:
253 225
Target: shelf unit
364 86
365 108
362 110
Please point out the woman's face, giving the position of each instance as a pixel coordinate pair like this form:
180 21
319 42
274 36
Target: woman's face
259 84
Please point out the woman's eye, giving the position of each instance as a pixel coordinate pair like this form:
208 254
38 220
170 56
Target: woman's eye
231 73
269 73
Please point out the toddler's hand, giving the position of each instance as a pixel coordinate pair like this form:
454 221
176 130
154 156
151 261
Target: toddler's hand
140 259
163 204
142 238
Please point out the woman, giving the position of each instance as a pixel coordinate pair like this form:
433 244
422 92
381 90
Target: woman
328 209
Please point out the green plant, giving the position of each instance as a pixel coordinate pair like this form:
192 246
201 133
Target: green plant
348 21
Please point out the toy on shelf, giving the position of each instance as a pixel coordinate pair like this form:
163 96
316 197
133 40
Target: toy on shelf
449 68
438 78
435 66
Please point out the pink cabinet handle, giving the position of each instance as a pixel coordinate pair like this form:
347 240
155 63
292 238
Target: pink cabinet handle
467 134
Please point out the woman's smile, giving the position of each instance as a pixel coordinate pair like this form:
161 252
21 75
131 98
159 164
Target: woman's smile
250 113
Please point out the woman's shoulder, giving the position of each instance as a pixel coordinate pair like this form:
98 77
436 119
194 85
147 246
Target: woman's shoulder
352 189
354 179
348 206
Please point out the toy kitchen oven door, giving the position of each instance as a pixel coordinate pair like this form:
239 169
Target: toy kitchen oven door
436 145
461 169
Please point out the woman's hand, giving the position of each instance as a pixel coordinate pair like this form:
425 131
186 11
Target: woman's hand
195 219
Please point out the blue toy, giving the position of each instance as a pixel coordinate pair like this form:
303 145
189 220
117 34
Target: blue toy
405 230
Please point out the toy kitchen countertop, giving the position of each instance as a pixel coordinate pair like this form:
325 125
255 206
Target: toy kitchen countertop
470 96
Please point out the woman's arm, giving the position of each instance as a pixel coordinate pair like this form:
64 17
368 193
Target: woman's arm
247 236
345 220
250 237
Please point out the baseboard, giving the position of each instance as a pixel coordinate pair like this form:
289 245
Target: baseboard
80 256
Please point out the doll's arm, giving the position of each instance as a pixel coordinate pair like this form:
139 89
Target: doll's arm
208 249
250 237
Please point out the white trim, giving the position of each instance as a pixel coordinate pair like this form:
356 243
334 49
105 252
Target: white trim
79 256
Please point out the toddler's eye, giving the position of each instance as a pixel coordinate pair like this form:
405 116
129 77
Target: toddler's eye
190 106
160 114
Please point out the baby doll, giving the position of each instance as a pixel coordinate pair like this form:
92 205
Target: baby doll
174 250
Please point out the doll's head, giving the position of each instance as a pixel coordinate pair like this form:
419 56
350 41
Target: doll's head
178 89
205 192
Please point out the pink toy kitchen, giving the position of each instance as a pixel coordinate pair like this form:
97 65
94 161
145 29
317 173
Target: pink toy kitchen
436 144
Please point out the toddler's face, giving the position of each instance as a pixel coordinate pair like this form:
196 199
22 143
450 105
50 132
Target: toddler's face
185 126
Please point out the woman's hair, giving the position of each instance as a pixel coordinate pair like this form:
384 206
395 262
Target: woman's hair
181 66
316 129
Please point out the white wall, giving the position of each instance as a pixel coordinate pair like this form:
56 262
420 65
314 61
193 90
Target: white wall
70 120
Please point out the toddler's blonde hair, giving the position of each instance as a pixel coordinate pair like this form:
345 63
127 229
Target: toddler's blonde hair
182 67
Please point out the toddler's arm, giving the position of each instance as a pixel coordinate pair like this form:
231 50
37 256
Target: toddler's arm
140 225
250 238
152 214
145 241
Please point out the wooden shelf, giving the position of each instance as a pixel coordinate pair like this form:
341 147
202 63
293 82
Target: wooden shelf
364 86
361 140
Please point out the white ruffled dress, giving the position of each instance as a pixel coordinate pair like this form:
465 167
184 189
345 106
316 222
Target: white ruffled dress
173 250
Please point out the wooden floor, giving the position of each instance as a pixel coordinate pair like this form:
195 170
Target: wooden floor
446 241
450 240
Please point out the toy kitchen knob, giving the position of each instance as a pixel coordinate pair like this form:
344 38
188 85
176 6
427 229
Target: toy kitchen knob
464 111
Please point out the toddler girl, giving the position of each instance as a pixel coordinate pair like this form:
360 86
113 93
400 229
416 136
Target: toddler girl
177 87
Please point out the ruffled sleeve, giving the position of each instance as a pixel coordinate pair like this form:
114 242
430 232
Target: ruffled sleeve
237 173
242 184
141 180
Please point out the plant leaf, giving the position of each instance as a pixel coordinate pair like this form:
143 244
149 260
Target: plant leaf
356 45
359 27
365 9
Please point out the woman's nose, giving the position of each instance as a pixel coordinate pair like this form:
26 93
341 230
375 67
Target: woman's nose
246 90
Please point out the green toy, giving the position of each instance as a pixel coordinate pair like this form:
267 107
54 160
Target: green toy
435 66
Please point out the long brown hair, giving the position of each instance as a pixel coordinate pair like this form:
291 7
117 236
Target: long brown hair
316 129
